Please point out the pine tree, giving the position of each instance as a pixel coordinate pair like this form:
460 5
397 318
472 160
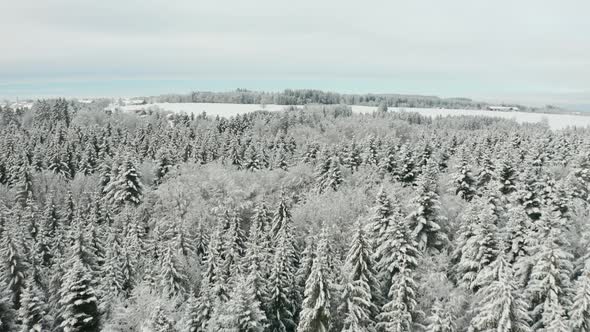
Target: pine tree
425 217
440 320
252 159
160 321
406 164
281 217
164 163
126 187
234 247
549 288
479 245
242 312
259 244
315 313
487 172
506 176
517 235
88 163
13 268
361 298
352 157
579 312
464 181
401 312
24 185
385 209
329 175
396 258
500 306
32 312
281 306
79 303
7 313
173 280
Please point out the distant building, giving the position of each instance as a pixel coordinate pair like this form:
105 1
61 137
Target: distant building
503 108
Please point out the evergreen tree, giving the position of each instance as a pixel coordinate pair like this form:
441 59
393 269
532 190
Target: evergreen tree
464 181
401 312
579 312
406 166
79 303
164 163
13 268
281 306
252 159
281 217
440 320
160 321
506 176
487 172
32 312
173 280
7 313
362 296
24 184
479 244
242 312
315 313
329 175
500 306
425 215
126 187
549 288
397 257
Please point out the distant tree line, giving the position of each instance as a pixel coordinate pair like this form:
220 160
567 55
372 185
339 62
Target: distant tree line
304 97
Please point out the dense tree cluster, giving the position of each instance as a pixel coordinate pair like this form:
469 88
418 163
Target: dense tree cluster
304 220
305 97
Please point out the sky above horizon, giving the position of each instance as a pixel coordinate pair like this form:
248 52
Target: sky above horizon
534 52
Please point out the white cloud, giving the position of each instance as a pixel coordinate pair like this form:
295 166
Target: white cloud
478 47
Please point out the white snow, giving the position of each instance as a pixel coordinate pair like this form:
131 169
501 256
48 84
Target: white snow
555 121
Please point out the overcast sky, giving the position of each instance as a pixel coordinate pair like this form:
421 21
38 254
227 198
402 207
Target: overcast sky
536 51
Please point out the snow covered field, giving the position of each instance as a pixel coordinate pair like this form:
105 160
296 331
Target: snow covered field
555 121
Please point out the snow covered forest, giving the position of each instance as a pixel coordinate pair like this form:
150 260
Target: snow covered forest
309 220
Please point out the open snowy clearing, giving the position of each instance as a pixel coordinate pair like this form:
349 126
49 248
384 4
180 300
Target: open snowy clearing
555 121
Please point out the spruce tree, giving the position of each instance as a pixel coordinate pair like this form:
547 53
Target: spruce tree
32 312
479 244
329 175
500 306
401 312
242 312
126 187
13 267
315 313
464 182
549 288
579 311
160 322
488 170
24 184
425 216
173 280
79 302
361 298
506 175
397 257
281 306
7 312
440 320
